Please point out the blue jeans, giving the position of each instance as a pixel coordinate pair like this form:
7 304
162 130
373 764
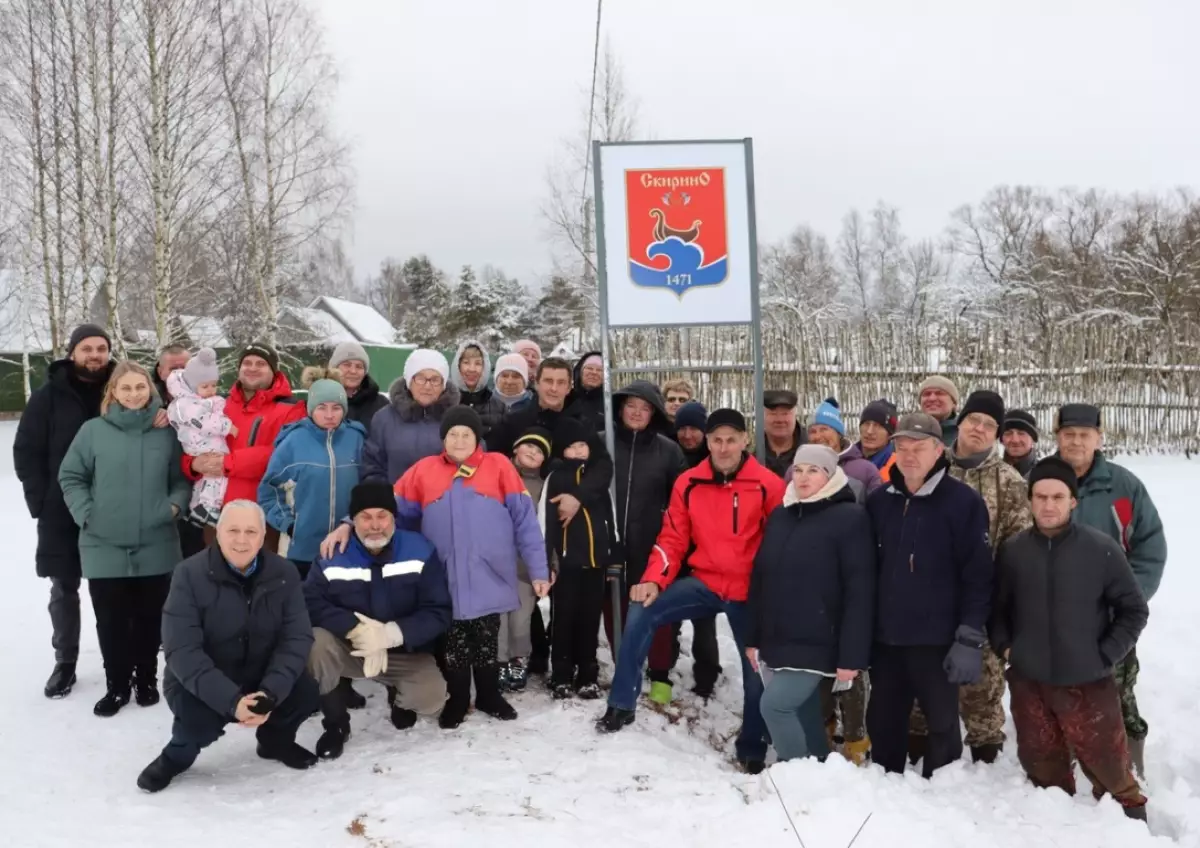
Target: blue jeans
683 600
791 707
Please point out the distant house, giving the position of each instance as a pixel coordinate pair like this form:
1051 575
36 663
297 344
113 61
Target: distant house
364 322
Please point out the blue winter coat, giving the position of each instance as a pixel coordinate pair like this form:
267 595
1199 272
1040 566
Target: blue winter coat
812 590
323 465
404 433
935 560
405 583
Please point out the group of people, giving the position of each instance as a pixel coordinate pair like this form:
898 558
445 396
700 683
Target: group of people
879 589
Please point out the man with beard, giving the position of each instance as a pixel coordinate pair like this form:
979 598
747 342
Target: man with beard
260 405
690 422
1020 438
70 396
173 358
353 366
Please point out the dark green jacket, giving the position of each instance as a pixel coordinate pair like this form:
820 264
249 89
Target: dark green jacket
1114 501
119 479
950 429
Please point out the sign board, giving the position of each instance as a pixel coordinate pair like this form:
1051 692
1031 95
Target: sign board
676 233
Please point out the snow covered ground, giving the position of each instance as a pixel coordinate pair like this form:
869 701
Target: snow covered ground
67 777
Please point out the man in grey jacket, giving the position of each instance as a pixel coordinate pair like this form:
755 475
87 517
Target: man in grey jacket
1067 610
236 637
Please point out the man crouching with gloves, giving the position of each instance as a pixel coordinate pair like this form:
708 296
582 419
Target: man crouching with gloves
376 609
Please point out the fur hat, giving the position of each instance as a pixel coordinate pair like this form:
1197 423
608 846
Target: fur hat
201 368
424 359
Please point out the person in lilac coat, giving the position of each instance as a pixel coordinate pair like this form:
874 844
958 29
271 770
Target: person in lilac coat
827 428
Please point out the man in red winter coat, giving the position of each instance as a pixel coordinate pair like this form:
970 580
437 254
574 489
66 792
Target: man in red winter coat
260 404
715 520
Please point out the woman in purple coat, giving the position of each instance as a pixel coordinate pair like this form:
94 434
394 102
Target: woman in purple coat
827 428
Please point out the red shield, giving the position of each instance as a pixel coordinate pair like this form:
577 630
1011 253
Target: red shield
677 229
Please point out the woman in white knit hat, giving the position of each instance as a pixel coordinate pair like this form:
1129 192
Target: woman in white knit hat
512 381
408 430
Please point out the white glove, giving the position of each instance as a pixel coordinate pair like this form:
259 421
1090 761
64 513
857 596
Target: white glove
371 636
374 664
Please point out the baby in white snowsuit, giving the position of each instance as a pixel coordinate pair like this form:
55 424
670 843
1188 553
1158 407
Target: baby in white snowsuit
198 415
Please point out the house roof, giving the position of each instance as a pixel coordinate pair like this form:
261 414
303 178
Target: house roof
318 326
204 332
364 322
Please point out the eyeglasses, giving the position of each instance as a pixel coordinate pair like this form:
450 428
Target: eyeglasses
677 399
435 380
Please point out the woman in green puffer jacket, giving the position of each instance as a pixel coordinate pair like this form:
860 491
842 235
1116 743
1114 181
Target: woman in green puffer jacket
122 481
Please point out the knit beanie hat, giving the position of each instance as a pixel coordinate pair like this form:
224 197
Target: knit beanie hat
1019 419
372 494
461 416
599 361
985 403
347 351
512 362
1054 468
539 437
201 368
424 359
86 331
327 391
527 344
568 431
691 414
882 412
937 381
263 351
829 414
817 455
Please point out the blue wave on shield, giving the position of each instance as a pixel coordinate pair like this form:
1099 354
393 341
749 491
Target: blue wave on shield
685 271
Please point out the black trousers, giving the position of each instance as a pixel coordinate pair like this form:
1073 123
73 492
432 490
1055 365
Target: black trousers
302 567
472 643
539 635
898 676
191 538
706 656
577 603
65 618
197 725
129 625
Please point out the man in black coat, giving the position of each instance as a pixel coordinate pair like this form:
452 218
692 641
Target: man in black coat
70 396
648 462
236 637
933 599
172 358
1068 609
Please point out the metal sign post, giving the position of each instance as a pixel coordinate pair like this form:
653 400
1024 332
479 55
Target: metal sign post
677 221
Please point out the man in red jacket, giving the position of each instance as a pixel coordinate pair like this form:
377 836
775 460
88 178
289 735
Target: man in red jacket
259 405
715 520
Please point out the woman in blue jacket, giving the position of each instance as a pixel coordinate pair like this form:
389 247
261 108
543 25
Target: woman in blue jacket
306 490
812 601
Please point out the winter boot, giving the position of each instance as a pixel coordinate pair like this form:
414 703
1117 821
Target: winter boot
158 775
1137 759
354 699
336 722
403 719
589 692
487 693
561 691
289 753
458 685
703 690
752 766
918 747
1135 813
614 719
62 679
986 753
538 664
116 697
857 751
516 675
660 693
145 686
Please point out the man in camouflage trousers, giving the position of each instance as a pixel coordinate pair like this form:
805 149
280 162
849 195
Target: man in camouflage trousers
976 460
1115 502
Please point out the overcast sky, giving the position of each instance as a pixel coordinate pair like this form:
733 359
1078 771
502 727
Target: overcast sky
456 108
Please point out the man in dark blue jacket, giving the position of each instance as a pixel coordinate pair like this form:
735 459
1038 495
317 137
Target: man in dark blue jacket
376 609
235 636
934 596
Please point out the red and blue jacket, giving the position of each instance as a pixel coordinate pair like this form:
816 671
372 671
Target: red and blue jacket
478 516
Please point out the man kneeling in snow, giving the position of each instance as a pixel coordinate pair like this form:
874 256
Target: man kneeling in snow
236 637
376 609
1067 610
